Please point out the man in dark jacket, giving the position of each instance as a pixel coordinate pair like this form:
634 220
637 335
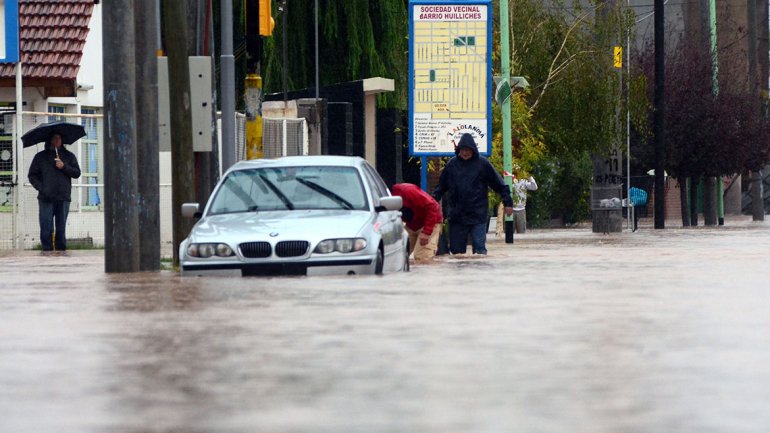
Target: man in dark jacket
465 180
51 173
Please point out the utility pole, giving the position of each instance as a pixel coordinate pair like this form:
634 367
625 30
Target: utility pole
121 222
182 167
147 157
227 96
284 45
757 193
763 10
659 116
199 18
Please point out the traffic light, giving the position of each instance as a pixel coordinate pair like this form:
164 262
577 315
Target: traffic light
266 21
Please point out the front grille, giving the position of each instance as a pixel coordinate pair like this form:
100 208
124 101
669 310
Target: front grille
255 250
291 248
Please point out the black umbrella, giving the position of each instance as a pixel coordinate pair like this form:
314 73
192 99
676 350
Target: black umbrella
70 133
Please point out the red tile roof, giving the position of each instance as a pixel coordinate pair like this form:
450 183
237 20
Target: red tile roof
52 34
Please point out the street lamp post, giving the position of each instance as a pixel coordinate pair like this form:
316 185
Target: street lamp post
505 66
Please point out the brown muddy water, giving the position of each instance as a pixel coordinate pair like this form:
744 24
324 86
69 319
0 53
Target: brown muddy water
563 331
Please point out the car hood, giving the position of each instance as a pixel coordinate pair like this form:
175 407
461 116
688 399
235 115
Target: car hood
280 225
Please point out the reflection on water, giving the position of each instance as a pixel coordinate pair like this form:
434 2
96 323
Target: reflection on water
565 331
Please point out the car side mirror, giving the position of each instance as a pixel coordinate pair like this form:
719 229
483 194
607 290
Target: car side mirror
392 202
190 210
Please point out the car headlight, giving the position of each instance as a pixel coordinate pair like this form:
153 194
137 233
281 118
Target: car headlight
343 245
207 250
224 250
325 247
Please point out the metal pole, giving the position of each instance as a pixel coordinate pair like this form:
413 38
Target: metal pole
121 221
757 193
284 44
424 173
182 159
228 86
18 160
659 116
505 66
145 23
632 209
159 40
317 74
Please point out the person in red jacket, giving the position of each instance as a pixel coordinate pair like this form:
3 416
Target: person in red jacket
423 219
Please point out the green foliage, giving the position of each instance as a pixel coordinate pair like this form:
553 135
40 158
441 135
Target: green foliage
565 52
563 49
357 39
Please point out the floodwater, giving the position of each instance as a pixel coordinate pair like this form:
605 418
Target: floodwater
563 331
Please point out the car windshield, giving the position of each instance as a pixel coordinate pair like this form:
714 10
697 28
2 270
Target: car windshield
290 188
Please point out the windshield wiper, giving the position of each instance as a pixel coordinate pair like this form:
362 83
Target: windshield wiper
286 202
316 187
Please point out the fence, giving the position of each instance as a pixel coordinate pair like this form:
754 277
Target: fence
19 227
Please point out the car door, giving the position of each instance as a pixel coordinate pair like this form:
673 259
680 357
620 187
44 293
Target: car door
391 227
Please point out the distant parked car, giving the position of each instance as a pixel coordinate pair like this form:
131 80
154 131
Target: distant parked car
299 215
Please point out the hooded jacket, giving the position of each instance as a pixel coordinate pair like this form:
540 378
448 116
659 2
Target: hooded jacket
466 183
51 183
425 211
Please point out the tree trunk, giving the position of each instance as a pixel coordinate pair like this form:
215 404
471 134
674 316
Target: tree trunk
684 188
694 181
757 197
710 201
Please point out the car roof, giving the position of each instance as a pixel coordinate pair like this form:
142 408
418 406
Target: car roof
300 161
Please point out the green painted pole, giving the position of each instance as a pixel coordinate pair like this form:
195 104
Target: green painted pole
715 89
505 66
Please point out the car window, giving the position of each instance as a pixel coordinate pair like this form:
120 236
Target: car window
377 185
290 188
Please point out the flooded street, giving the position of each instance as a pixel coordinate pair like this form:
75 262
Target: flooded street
564 331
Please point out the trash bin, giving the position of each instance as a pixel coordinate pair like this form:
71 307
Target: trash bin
607 209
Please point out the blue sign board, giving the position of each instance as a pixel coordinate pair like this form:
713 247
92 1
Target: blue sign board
9 31
450 75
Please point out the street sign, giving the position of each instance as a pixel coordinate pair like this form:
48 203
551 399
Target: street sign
618 57
503 92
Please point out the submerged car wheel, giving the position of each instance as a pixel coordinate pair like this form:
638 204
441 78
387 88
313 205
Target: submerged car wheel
380 262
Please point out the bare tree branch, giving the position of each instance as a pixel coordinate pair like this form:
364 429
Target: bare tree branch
553 70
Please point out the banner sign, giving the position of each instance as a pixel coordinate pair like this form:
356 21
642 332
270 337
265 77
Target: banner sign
450 75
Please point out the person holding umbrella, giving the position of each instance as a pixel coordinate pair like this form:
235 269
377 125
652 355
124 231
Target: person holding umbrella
51 173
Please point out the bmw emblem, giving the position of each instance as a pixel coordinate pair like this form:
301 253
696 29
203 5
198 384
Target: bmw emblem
273 234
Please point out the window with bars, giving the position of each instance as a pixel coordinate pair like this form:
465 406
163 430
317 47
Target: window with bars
56 108
89 158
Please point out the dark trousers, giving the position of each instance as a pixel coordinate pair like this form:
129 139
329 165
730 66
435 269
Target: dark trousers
53 216
458 237
636 218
